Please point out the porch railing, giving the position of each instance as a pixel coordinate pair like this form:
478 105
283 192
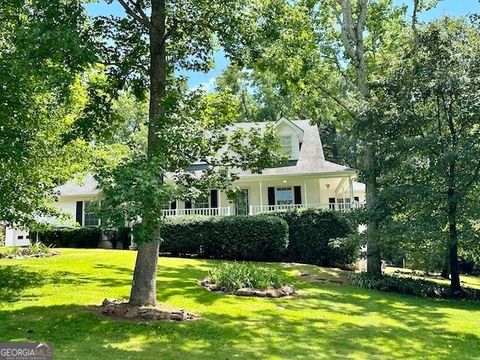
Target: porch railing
197 211
258 209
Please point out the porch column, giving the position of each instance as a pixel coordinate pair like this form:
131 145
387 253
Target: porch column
306 198
261 196
350 185
320 193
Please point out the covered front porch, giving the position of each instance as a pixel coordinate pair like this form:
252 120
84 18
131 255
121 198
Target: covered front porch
266 194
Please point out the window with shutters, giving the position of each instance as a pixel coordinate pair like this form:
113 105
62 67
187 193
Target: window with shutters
90 219
169 205
202 202
166 206
284 195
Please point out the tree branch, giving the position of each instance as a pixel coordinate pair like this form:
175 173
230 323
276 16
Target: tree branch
137 6
338 101
348 35
133 14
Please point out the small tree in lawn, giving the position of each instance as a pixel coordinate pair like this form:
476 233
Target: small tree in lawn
142 53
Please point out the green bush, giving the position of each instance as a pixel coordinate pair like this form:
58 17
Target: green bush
234 276
410 286
255 238
70 238
319 237
120 238
35 249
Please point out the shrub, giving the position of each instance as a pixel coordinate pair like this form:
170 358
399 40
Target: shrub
410 286
343 252
311 235
255 238
234 276
36 249
70 238
120 238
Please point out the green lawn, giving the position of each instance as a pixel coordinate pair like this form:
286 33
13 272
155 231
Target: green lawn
51 299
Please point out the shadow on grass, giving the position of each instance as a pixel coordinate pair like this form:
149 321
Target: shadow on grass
15 279
324 322
78 333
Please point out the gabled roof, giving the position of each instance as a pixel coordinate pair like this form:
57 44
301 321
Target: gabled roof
311 159
298 130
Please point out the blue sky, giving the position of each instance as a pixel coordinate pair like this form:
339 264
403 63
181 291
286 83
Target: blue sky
445 7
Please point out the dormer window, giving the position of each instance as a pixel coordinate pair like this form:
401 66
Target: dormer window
286 145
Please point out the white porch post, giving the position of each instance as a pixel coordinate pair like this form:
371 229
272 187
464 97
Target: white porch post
320 193
261 195
350 185
305 190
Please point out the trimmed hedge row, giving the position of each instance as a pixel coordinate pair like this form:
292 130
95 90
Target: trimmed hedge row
254 238
308 236
70 238
82 237
319 237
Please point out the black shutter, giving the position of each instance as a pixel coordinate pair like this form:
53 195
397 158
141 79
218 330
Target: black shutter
214 198
331 203
271 196
79 213
173 205
297 194
188 204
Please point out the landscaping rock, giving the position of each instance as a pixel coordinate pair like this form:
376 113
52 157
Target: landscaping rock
131 313
214 287
274 293
244 292
123 310
304 273
288 290
259 293
204 282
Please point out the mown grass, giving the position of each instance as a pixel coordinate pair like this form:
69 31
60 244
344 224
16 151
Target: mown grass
466 280
50 300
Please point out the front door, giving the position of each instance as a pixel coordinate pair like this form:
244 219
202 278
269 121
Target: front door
241 206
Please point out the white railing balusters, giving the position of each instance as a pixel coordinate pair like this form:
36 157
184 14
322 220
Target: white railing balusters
197 211
258 209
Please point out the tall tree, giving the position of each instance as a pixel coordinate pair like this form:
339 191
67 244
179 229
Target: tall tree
45 47
332 52
142 51
434 112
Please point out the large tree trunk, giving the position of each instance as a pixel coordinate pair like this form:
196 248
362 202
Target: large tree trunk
374 264
446 262
452 231
144 288
144 291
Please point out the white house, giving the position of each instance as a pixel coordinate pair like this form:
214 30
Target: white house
307 181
